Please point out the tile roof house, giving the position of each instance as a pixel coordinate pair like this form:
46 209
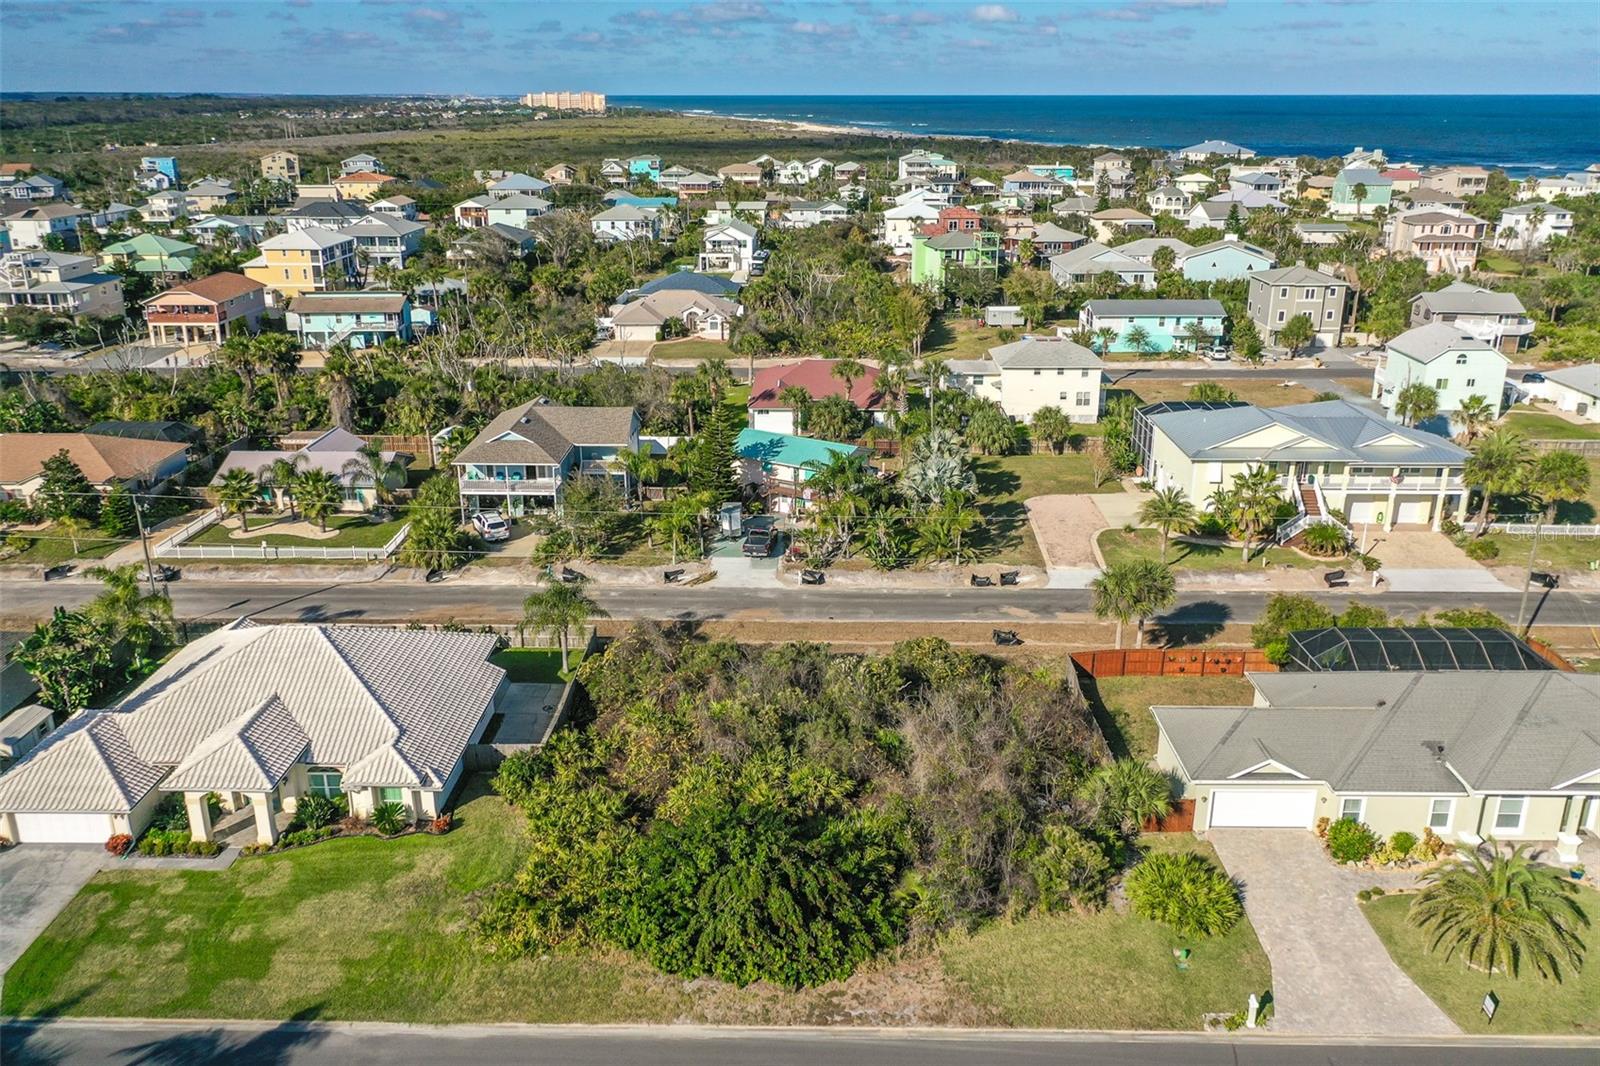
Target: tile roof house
772 411
108 462
264 715
1032 373
206 310
1509 755
524 457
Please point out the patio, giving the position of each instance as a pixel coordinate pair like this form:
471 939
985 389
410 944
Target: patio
237 828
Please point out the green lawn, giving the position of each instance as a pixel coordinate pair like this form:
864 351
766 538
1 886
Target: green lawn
1007 480
1542 425
693 348
1118 545
1528 1004
1108 970
355 531
1122 705
1554 553
50 547
535 665
357 928
1261 393
954 337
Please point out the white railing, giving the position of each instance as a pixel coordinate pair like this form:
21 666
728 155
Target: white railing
268 552
1525 529
1407 484
195 526
499 487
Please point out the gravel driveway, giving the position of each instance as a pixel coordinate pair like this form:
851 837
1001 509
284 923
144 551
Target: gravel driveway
1330 972
1065 527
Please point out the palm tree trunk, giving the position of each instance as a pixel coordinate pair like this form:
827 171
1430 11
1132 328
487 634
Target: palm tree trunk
1483 514
1244 556
1164 539
244 521
1138 633
563 641
1119 633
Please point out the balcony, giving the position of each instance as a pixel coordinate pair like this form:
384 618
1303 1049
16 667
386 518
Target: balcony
210 316
1449 483
494 487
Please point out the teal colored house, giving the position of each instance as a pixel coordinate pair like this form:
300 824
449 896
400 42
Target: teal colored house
641 167
1343 201
777 466
631 200
360 319
1224 260
1166 323
150 253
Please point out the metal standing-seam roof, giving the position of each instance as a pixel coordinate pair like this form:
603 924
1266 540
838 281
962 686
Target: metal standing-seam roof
1331 430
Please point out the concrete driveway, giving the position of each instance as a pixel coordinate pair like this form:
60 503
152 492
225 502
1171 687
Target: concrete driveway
36 882
1330 972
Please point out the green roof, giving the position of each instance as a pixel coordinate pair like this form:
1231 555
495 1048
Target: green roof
151 245
782 449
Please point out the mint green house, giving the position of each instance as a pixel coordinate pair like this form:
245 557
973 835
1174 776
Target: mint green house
1343 202
777 465
1167 324
150 253
932 254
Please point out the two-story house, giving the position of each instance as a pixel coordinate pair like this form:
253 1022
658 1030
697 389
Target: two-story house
361 185
934 251
1447 241
1199 153
307 260
921 165
283 166
771 404
729 247
324 214
1496 317
625 222
362 161
516 184
1034 372
362 319
803 214
206 311
1463 181
31 225
1357 191
1529 226
1455 364
1168 200
776 466
1109 223
1166 323
523 457
60 283
1276 296
516 209
32 188
150 253
1032 185
210 194
396 206
902 222
1078 266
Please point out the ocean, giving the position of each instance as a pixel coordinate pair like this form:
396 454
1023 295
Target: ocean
1523 134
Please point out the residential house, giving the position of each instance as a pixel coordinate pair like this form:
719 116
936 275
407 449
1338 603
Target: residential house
1463 181
921 165
1145 248
671 175
791 173
362 163
776 466
1035 372
1249 200
1265 182
1050 240
901 224
523 458
208 310
33 188
1322 234
1165 323
1194 183
561 174
1447 241
1068 206
1529 226
157 172
1032 185
803 214
472 213
1082 263
1401 180
150 253
1437 199
741 174
32 225
1575 389
308 260
644 168
113 214
613 172
848 173
695 183
1347 458
395 207
1505 755
515 184
209 194
934 251
108 462
1169 200
624 222
1107 224
772 410
1199 153
497 237
1106 162
284 166
260 716
1375 192
363 319
361 185
1225 260
646 318
165 208
1215 214
331 451
1318 188
1454 363
721 211
516 209
1496 317
322 214
686 279
59 283
1576 183
729 247
1276 296
229 231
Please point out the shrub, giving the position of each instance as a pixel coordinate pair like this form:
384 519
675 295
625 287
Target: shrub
170 814
1285 613
201 848
1429 847
314 812
353 823
1326 539
119 844
1070 869
1403 842
1184 891
441 824
1482 550
1367 895
389 818
1450 527
163 842
1322 827
1351 841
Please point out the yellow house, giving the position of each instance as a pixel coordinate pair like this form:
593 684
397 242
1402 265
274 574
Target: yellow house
282 165
308 260
361 185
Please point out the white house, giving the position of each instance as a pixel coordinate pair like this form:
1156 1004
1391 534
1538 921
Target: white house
1497 317
1440 355
901 223
1199 153
702 314
1082 263
625 222
1168 200
31 225
1035 372
1575 389
1529 226
729 247
516 209
1225 260
803 214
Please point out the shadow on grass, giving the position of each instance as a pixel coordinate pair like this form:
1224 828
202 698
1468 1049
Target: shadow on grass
1193 623
1116 739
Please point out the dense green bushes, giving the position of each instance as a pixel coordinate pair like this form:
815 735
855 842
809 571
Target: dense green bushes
1351 841
1185 891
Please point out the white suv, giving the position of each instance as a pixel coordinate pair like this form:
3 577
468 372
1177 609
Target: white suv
491 526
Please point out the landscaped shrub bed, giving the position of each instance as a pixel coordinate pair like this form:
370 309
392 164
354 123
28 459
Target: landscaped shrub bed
301 833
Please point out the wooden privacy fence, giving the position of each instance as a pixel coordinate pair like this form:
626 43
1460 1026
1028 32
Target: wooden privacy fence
1180 819
1154 662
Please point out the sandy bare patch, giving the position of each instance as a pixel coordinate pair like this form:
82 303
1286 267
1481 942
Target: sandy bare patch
1065 527
284 527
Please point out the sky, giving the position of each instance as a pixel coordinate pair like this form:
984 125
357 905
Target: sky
774 47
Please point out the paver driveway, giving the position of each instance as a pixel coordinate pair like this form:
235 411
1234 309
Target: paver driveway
1330 972
36 882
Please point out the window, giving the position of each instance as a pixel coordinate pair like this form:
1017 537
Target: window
1440 814
1061 373
391 795
1282 315
1461 359
1332 292
1083 373
1082 400
1311 294
324 781
1353 807
1283 293
1036 373
1441 383
1471 382
1061 396
1328 315
1510 812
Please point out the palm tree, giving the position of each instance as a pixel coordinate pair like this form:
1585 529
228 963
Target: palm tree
840 483
1498 466
386 472
141 618
1359 195
560 606
1051 427
1131 590
1476 413
282 474
238 492
798 399
934 370
1137 339
320 495
940 530
1416 402
848 369
1501 914
718 379
1167 510
679 519
639 465
74 526
1558 476
1255 500
1106 337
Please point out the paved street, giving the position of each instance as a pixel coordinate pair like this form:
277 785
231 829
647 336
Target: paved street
401 600
313 1044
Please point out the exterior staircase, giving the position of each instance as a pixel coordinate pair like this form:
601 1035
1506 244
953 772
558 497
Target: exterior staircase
1308 501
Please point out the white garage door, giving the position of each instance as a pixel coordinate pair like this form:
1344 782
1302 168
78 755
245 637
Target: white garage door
1359 510
1416 512
1263 808
63 828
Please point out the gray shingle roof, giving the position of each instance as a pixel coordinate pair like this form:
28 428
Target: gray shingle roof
1146 308
1585 378
543 434
1296 275
1429 342
1097 256
1464 298
1334 430
1225 245
1044 353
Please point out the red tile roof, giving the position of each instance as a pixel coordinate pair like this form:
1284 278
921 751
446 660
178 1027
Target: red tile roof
216 287
816 377
1401 174
364 177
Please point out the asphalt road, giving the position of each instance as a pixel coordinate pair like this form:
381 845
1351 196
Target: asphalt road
401 601
315 1044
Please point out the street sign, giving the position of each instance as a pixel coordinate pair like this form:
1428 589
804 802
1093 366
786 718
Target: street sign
1491 1003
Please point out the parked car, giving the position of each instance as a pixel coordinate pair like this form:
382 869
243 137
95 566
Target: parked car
1533 377
1217 355
491 526
758 540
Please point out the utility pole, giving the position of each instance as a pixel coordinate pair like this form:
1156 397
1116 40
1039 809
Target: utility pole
144 542
1527 582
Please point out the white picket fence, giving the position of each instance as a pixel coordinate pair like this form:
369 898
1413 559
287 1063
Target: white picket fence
1525 529
174 547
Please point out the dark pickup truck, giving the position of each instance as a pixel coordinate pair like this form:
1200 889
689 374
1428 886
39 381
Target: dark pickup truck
758 541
